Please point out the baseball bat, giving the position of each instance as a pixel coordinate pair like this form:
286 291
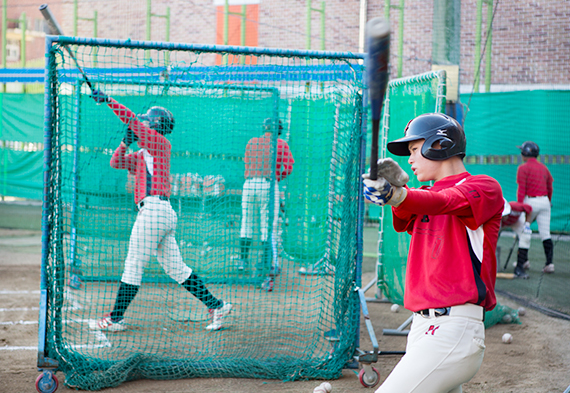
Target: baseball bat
378 41
55 29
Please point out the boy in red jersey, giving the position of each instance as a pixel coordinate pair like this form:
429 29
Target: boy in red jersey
451 268
255 198
535 189
155 227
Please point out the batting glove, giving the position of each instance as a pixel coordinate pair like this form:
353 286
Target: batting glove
392 172
130 137
381 193
99 96
526 229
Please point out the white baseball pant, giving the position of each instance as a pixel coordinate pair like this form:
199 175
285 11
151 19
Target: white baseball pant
153 234
518 228
540 212
255 200
442 353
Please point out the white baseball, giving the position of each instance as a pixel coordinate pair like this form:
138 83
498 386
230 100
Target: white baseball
327 387
319 389
507 338
522 311
395 308
507 318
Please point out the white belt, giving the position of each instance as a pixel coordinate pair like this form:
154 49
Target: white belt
464 310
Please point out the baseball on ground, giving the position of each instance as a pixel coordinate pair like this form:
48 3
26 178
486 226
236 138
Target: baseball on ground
327 386
522 311
395 308
507 338
319 389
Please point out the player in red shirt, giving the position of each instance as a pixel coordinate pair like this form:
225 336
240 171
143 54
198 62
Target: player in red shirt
451 268
155 227
257 191
517 217
535 189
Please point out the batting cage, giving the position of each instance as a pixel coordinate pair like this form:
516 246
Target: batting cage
288 275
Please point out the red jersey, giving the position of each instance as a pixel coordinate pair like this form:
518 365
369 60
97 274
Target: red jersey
454 226
151 164
258 157
534 179
516 210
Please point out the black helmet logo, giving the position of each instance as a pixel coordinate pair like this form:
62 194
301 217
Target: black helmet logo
444 137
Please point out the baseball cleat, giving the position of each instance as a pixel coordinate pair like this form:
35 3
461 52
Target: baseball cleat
106 324
274 271
267 285
526 265
218 315
241 264
548 269
520 273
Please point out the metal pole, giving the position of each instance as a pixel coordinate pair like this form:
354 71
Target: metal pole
243 22
401 39
4 29
226 27
75 18
387 5
148 11
23 27
488 46
309 24
323 25
477 45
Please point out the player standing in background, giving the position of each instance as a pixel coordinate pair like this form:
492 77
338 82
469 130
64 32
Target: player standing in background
155 227
517 217
255 198
535 189
451 268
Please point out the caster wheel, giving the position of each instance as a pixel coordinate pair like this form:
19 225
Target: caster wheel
369 380
267 285
47 382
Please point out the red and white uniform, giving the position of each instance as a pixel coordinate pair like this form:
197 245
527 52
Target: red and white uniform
155 227
256 189
451 263
535 189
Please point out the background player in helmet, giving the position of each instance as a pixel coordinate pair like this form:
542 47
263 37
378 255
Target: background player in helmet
451 268
256 194
535 189
517 217
155 227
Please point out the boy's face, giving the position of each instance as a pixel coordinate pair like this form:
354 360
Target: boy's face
424 169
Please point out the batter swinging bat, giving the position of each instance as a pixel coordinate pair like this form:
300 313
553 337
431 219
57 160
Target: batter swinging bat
378 40
55 29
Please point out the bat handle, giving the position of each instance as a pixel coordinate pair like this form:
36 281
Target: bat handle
374 150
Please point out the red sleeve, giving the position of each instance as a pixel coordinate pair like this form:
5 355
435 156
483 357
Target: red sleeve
468 201
285 158
521 181
149 138
521 207
122 161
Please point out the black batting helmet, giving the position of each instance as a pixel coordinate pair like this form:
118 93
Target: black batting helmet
268 125
433 127
159 119
529 149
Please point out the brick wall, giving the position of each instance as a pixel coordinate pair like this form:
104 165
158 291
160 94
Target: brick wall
531 39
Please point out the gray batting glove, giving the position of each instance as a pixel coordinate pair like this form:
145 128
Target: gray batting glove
381 192
392 172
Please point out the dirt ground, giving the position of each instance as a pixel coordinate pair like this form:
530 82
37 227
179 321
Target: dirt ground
538 359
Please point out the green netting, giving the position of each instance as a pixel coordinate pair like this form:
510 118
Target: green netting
406 98
307 325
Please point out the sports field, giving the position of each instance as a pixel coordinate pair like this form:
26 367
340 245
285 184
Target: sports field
536 361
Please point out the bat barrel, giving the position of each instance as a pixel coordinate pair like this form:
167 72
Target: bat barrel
378 40
54 27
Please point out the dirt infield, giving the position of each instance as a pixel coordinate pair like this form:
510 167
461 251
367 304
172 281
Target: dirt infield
538 360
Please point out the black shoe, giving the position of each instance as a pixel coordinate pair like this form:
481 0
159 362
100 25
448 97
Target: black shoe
520 273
